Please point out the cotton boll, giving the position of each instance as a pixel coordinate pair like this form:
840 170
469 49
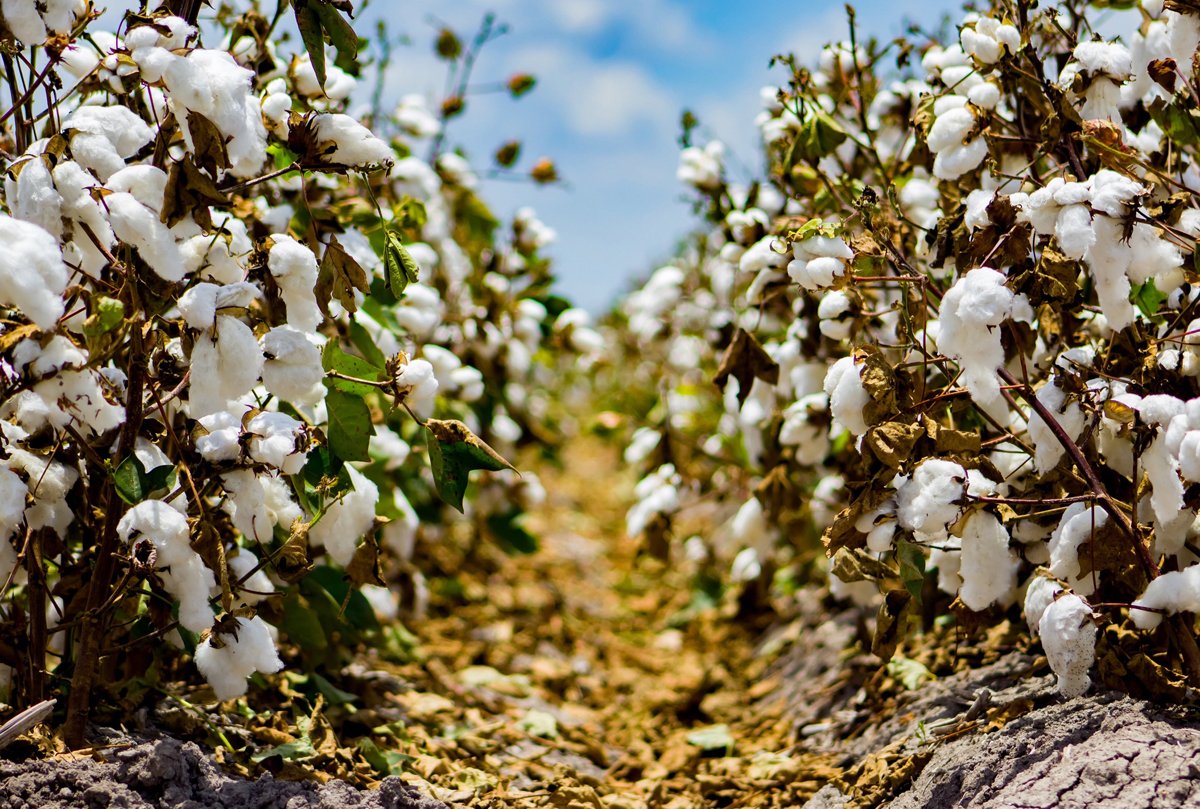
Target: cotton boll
32 274
23 20
400 533
139 226
836 314
1039 595
417 381
278 440
352 143
246 650
989 566
103 138
656 494
750 528
295 270
12 511
702 167
847 396
181 569
644 441
1079 524
1048 450
31 195
970 316
292 369
804 429
246 504
281 508
818 261
218 437
1069 638
929 501
225 365
346 521
199 304
147 184
955 155
1175 591
255 588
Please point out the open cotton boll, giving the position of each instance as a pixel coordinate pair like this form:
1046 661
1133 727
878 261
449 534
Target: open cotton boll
702 167
1047 449
139 226
12 511
954 154
750 528
1039 594
212 84
182 571
218 437
804 428
246 650
989 39
1175 591
103 138
75 184
352 143
970 316
225 364
292 370
31 195
67 392
931 499
847 396
657 493
1069 638
989 566
281 507
388 447
255 588
1079 524
836 315
279 440
419 384
346 521
49 482
246 504
294 268
818 260
199 304
33 276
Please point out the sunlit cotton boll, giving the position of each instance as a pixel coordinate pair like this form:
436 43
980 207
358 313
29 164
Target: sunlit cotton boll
181 569
347 521
1069 637
702 167
954 139
292 366
352 143
32 274
247 650
847 396
419 384
818 260
225 364
295 270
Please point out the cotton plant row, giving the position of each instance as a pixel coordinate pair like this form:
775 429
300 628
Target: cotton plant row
233 314
953 331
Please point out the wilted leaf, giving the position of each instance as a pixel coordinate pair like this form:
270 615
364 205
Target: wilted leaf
190 192
340 275
364 565
892 442
453 453
855 564
292 563
890 623
745 360
210 150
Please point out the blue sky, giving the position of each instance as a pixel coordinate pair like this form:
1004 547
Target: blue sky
613 77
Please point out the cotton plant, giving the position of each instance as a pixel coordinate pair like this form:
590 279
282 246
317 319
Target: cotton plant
195 356
963 332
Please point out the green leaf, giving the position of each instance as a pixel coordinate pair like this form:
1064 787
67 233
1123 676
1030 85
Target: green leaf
910 674
334 359
350 427
130 480
714 738
453 453
402 269
1148 299
363 342
358 612
107 314
333 695
341 35
312 32
302 626
819 135
297 750
385 763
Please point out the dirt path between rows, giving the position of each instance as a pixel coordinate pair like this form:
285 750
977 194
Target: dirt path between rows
587 677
